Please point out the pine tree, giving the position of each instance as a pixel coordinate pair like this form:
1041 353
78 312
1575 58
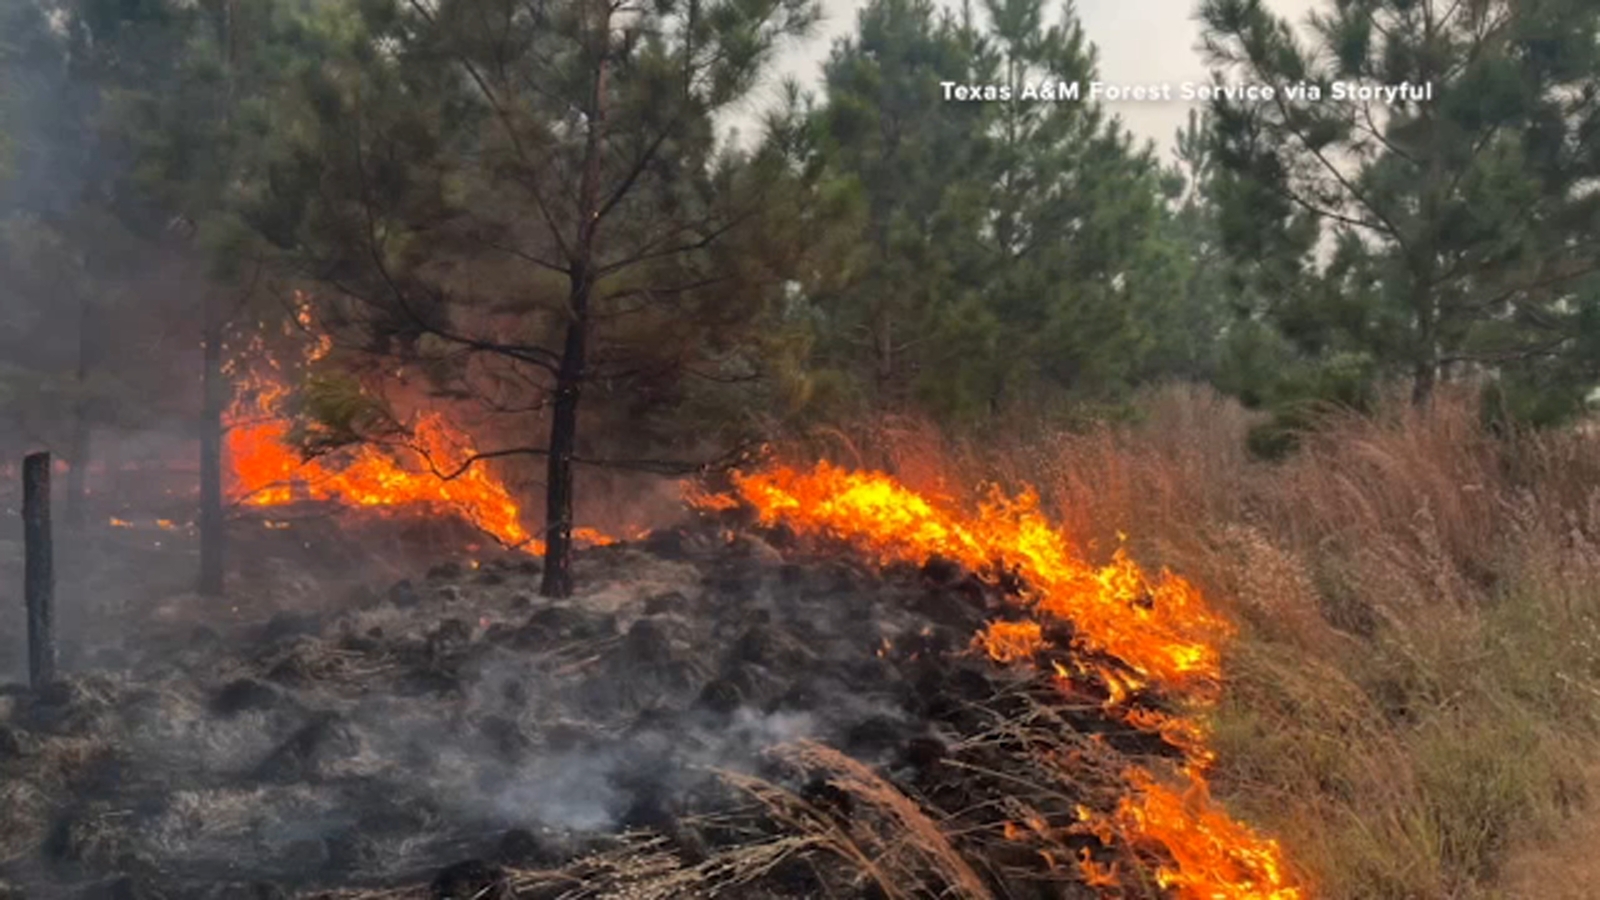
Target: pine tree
529 203
912 164
1455 231
74 261
1013 250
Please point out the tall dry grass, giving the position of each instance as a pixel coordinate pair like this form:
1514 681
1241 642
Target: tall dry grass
1416 689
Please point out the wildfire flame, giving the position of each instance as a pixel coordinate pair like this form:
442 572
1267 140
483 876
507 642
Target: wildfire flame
1214 855
1012 641
1159 629
163 524
266 469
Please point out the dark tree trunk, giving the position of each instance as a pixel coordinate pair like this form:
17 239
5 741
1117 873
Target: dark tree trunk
1422 384
212 535
885 383
39 580
563 441
1425 370
557 581
111 455
215 389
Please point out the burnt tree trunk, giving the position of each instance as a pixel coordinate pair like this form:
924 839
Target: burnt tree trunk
39 580
884 375
557 580
214 397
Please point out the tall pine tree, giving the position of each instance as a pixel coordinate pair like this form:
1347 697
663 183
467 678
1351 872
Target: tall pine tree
529 203
1435 233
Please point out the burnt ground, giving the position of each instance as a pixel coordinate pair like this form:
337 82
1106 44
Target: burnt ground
712 715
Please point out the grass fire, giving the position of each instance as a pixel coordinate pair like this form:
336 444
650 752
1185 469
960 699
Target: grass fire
771 449
1161 631
268 470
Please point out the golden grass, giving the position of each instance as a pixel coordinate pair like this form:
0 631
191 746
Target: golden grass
1416 690
888 837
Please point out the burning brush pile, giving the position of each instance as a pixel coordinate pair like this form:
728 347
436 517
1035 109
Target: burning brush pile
826 686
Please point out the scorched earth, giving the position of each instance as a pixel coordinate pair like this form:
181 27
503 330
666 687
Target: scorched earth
822 685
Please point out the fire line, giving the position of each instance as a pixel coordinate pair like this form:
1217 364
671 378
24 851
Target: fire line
1159 628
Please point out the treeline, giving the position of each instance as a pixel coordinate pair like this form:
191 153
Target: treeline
528 209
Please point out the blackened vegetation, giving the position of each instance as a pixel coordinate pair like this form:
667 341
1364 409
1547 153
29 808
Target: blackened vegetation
708 716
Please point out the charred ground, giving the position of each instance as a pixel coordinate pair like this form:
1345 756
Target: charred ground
717 713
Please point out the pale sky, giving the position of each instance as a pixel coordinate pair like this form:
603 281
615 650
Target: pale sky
1139 41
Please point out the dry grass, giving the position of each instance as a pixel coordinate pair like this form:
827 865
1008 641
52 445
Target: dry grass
886 837
23 826
1416 691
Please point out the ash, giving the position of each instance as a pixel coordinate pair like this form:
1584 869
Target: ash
708 716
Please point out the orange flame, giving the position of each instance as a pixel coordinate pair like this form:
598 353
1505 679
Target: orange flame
266 469
1214 856
1011 641
1160 629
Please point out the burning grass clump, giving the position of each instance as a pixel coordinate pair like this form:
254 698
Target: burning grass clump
1414 696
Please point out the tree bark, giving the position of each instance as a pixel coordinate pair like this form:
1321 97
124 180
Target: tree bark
557 580
212 535
215 388
885 383
38 577
1422 384
1425 366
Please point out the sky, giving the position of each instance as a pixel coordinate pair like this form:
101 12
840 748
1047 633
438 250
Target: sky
1139 41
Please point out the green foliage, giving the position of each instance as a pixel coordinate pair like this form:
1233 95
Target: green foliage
1010 253
1444 237
1304 391
879 248
130 130
333 410
425 174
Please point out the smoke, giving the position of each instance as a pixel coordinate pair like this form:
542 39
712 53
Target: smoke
383 734
99 352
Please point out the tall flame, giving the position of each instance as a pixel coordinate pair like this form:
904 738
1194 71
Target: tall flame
1159 629
266 469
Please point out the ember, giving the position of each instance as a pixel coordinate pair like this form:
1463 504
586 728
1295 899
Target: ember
1011 641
